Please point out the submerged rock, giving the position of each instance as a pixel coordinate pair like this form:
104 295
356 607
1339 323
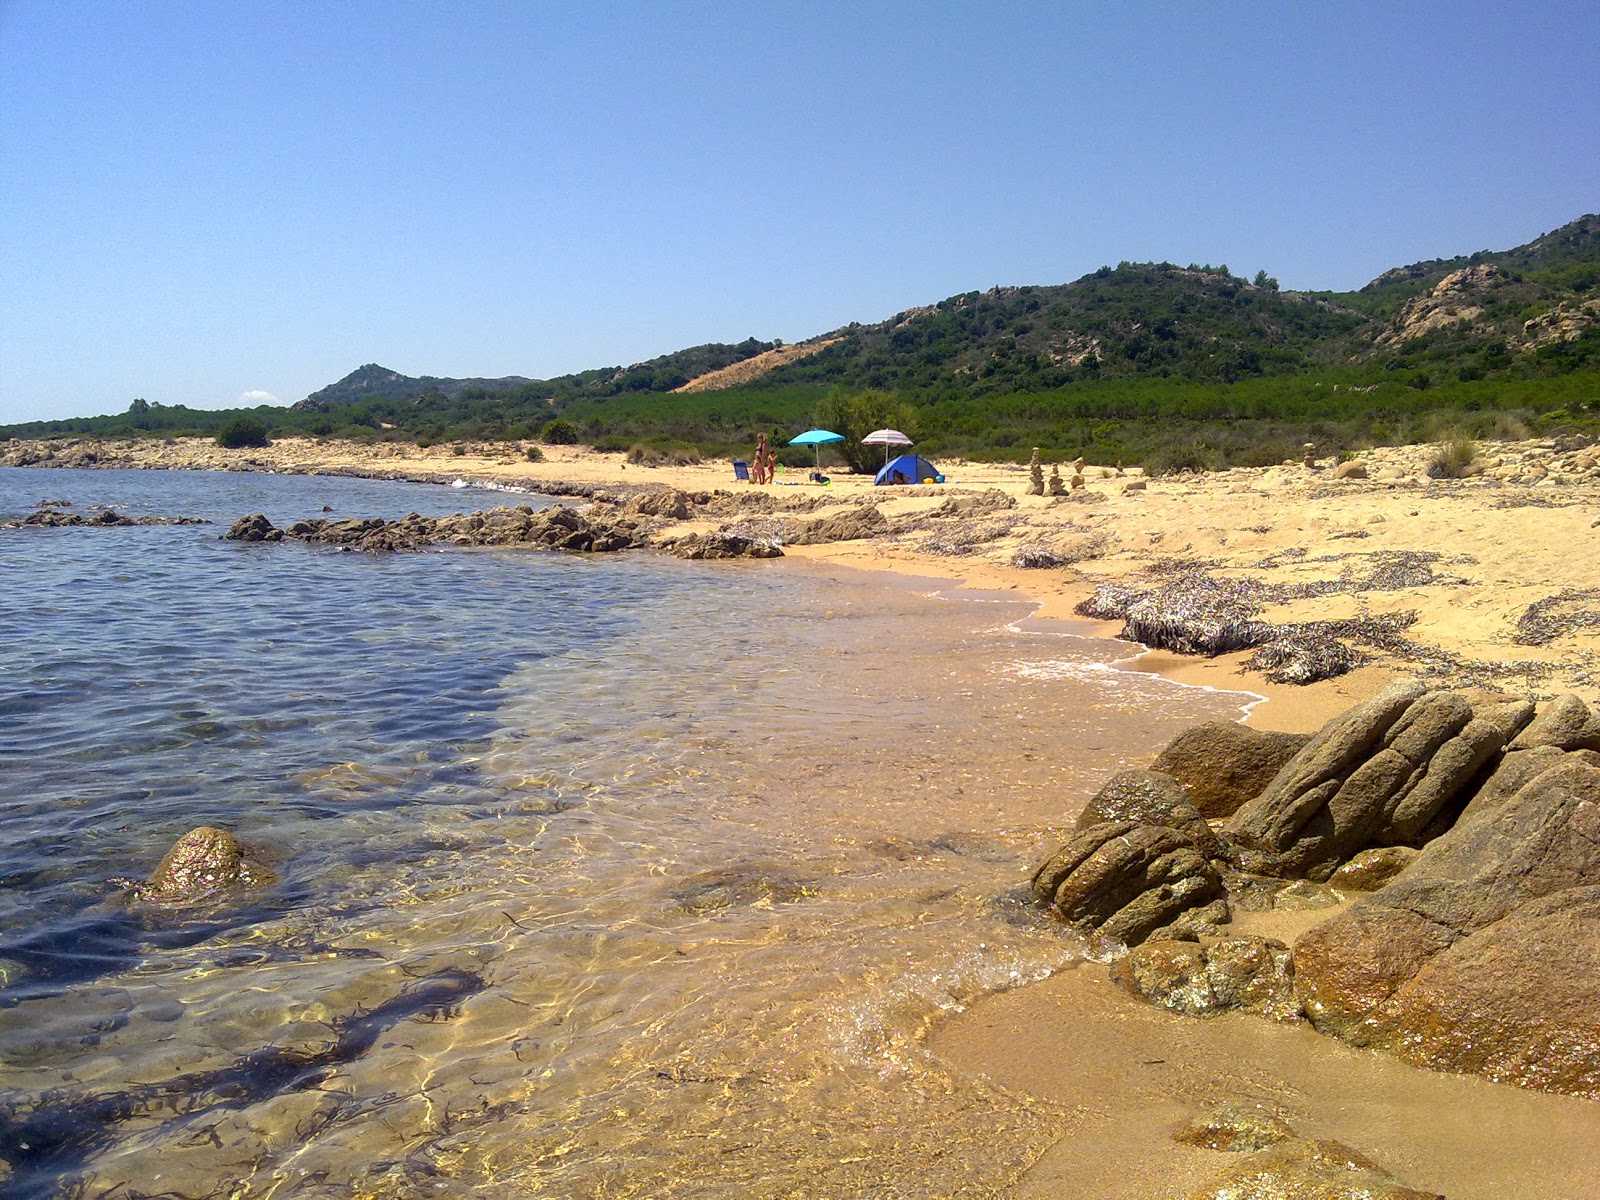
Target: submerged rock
201 863
1235 1127
1307 1169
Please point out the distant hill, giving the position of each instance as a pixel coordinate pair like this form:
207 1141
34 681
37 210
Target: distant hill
372 382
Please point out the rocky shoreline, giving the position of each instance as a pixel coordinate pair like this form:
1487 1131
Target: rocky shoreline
1463 829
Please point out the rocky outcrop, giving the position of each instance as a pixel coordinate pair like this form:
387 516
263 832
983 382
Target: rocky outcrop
1375 776
670 504
1249 974
1222 764
47 517
854 525
722 545
1468 829
1484 954
1123 880
556 528
1148 798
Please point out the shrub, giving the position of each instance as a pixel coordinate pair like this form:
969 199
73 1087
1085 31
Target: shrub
1452 458
534 454
242 432
559 432
1171 460
458 450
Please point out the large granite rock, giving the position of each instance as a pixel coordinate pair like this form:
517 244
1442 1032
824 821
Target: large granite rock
857 523
1378 774
556 528
1223 765
1484 954
1124 880
1251 974
1564 723
1517 1002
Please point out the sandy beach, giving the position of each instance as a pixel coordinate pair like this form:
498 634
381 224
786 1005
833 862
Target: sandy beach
1494 581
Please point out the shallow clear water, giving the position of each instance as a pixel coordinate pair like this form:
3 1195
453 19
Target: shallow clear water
612 876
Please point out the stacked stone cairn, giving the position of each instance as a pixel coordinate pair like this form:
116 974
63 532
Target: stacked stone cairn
1457 836
1057 488
1035 475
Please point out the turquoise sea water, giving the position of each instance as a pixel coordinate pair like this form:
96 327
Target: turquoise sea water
610 876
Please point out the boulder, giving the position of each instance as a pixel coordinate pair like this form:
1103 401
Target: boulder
253 528
201 863
1564 723
1124 880
1354 469
1350 964
1223 765
1517 1002
1304 1169
1515 770
723 545
1251 974
671 504
1149 798
1378 774
1542 841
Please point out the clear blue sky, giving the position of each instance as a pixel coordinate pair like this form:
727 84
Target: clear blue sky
200 201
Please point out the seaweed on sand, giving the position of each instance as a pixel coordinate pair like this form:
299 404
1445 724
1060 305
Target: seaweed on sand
1566 612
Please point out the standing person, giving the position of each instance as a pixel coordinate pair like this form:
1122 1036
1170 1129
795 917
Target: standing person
758 469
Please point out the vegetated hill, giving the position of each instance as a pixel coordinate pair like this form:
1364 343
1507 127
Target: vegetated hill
1532 309
372 382
1136 320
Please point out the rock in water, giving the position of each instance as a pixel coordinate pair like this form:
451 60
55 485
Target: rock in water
1150 798
200 863
1125 880
253 528
1235 1127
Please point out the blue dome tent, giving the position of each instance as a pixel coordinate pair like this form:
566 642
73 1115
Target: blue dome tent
909 468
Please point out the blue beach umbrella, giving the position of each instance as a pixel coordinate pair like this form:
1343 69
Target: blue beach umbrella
816 438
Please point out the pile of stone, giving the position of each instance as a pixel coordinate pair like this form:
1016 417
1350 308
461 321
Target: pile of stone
1469 830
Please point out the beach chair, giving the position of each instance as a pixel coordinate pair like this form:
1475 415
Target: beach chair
741 470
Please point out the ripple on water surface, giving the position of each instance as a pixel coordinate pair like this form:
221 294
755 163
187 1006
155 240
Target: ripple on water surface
655 873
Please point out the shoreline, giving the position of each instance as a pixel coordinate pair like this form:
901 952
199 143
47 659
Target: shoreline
1480 553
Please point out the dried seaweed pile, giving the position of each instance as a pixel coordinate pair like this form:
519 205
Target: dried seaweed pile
1034 557
968 539
1566 612
1194 612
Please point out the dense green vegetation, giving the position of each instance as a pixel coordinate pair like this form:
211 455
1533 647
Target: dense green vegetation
1176 367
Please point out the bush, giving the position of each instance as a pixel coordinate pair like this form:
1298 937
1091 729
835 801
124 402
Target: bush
242 432
534 454
1451 459
559 432
1172 460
